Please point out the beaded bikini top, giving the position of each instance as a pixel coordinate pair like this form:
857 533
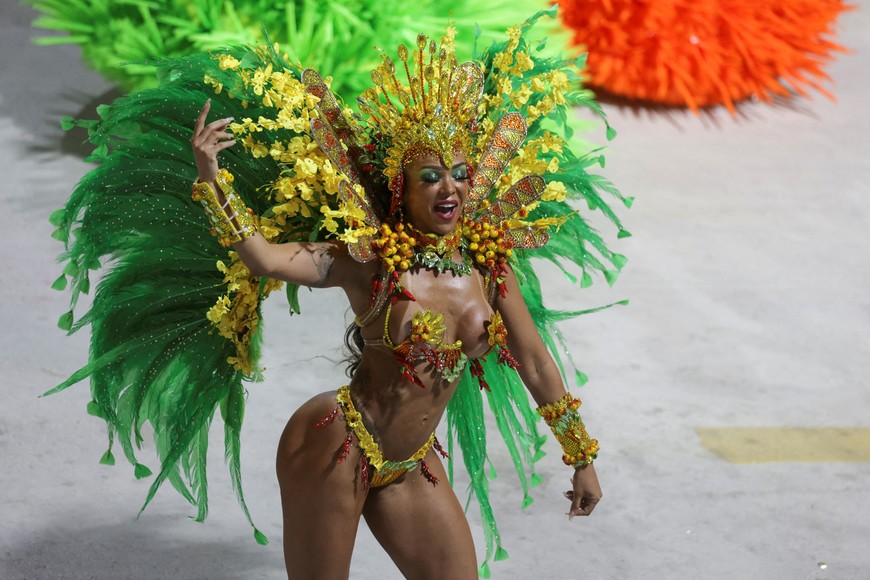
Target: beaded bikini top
425 343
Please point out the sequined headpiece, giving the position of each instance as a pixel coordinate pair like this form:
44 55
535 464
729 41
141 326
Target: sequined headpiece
433 112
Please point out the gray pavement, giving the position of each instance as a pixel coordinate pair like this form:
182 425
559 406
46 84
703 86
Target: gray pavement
748 279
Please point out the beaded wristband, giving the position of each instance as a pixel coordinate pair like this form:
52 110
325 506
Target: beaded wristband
564 420
224 218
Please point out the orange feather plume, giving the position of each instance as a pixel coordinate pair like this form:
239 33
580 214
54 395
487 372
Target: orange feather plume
699 53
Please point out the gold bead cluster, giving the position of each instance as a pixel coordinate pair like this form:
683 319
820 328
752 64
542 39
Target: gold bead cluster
552 411
395 247
486 243
496 330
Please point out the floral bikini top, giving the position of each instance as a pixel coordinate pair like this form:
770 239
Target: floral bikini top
425 343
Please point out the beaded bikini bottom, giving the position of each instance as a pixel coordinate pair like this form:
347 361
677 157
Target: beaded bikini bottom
375 470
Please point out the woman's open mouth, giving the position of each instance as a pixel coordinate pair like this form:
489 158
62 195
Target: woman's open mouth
446 210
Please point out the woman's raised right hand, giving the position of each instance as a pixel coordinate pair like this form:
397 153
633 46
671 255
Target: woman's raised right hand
208 141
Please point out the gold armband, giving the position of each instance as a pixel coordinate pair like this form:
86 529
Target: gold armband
231 221
564 420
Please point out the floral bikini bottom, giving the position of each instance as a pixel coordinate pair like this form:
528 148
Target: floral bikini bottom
375 470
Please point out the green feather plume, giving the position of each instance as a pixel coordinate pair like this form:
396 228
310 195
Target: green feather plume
154 355
118 38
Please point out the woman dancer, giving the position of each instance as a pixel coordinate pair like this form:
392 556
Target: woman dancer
424 208
415 347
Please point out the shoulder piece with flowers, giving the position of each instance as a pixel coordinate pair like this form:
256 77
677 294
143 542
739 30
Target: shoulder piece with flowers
175 318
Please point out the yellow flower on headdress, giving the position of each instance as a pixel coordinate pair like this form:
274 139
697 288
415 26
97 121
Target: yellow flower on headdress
538 84
305 167
555 191
259 79
258 150
227 61
503 60
212 82
523 63
220 308
521 96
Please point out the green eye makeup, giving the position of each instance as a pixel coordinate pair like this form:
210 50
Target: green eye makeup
460 172
430 176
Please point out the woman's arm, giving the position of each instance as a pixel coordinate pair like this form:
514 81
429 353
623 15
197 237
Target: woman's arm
543 380
316 264
537 368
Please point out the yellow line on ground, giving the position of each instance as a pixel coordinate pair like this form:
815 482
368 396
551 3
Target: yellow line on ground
765 444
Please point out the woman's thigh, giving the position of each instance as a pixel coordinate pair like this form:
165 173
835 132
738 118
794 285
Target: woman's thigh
423 527
322 499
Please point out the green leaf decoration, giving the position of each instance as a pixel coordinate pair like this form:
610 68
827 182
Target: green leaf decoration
65 321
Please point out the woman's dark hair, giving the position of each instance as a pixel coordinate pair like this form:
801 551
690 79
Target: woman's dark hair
375 183
354 344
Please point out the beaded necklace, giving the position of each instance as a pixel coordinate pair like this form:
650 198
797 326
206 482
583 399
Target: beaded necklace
402 246
437 252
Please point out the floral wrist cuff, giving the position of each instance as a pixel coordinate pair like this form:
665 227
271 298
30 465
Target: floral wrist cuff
565 422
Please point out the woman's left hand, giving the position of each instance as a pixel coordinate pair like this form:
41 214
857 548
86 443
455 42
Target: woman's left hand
586 493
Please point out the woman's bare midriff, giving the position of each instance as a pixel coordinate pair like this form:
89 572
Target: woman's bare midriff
401 414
